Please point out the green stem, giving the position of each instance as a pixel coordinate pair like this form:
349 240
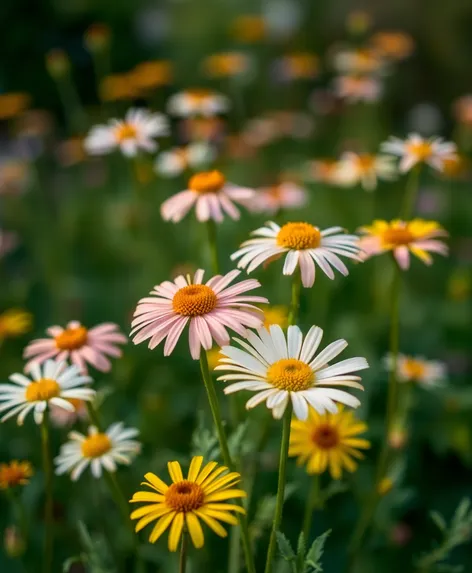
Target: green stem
284 444
183 553
47 467
234 557
311 505
295 301
75 115
93 415
213 244
220 430
20 514
411 193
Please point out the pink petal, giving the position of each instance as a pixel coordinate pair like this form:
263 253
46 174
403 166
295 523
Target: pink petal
402 256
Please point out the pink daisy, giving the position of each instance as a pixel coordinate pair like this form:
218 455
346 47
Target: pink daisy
285 195
208 308
77 344
212 196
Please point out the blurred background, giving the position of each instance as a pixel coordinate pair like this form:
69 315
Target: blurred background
82 237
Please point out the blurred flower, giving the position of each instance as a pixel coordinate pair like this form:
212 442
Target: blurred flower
297 66
71 152
177 160
260 131
54 383
99 450
13 104
14 176
248 28
118 87
15 322
304 244
150 75
402 237
357 88
385 486
57 63
207 308
195 129
417 369
34 123
276 315
285 195
62 418
211 195
358 22
226 64
398 436
197 102
325 171
414 149
280 369
13 542
97 37
8 242
357 62
78 344
203 495
136 132
213 357
456 167
366 169
283 18
459 285
463 110
15 473
328 441
393 45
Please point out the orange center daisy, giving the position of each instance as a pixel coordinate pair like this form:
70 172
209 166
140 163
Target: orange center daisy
290 374
414 368
43 389
198 95
397 236
125 131
365 162
194 300
78 404
15 473
207 182
71 338
96 445
299 236
422 150
325 436
185 496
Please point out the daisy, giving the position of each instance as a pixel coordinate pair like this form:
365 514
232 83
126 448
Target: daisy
415 149
393 45
285 195
297 66
357 88
78 344
175 161
212 196
14 322
366 169
418 369
15 473
325 171
304 244
52 384
136 132
226 64
280 369
402 237
62 418
328 441
207 308
99 450
197 102
203 496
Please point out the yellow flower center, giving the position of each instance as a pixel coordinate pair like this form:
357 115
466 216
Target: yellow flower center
14 474
43 389
325 436
198 95
421 150
397 236
207 182
194 300
299 236
78 404
365 162
290 374
96 445
185 496
71 338
125 131
414 369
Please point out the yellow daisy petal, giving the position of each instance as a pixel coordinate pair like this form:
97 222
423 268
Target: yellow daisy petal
220 483
147 496
226 494
175 471
195 466
137 513
226 507
195 529
151 517
212 524
205 472
161 526
220 515
176 531
156 482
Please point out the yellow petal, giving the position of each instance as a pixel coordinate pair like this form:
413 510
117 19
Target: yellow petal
156 482
205 472
212 524
219 515
137 513
175 471
151 517
220 483
194 468
195 529
226 507
176 531
213 476
161 526
147 496
225 494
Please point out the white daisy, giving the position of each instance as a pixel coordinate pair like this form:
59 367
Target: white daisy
137 131
281 369
415 149
304 244
175 161
97 449
357 88
418 369
193 102
52 383
366 169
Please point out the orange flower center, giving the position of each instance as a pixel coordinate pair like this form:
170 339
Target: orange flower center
125 131
325 436
78 404
397 236
14 474
43 389
207 182
290 374
421 150
96 445
365 162
299 236
185 496
194 300
71 338
198 95
414 369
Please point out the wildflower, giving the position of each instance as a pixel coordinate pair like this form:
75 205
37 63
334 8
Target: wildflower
414 150
177 160
13 104
248 28
328 441
118 87
356 88
13 542
385 486
366 169
285 195
226 64
99 450
52 384
304 244
15 473
402 237
325 170
14 176
212 196
15 322
463 110
207 129
393 45
213 356
57 63
358 62
276 315
136 132
280 369
150 75
297 66
197 102
62 418
203 495
97 37
417 369
71 152
207 308
81 345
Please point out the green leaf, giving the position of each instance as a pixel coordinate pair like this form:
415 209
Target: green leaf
301 547
204 441
315 553
77 559
236 440
334 488
285 547
438 520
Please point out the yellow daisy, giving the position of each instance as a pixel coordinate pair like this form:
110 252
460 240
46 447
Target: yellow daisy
15 322
328 441
203 495
276 315
15 473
